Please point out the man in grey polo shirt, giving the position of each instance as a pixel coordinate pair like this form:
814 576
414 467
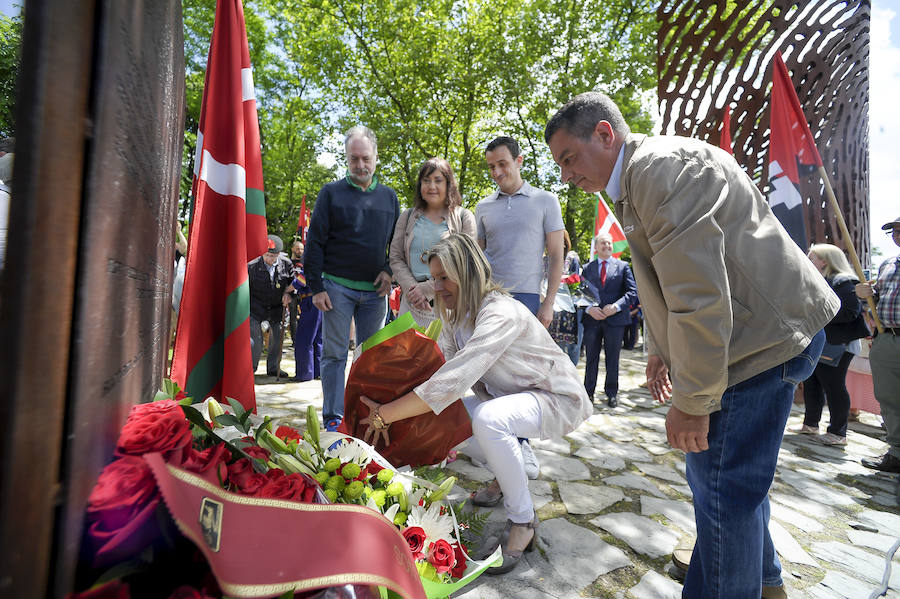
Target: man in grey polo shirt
514 225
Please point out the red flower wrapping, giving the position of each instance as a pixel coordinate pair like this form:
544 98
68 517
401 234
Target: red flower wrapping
157 426
460 568
441 556
415 537
121 510
285 433
292 486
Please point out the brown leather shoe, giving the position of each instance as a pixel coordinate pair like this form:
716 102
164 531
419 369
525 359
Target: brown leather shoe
887 463
485 498
511 558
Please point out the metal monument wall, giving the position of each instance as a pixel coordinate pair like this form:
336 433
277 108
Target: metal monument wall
713 53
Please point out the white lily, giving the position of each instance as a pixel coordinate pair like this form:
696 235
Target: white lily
392 511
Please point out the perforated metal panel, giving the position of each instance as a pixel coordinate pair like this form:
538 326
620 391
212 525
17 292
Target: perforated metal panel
712 53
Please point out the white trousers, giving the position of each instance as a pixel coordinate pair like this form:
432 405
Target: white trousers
496 427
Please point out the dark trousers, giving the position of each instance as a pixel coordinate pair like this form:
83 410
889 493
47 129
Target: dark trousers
308 344
599 335
631 334
827 383
276 335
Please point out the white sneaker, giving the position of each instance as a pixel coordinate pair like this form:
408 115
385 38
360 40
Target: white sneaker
532 468
831 439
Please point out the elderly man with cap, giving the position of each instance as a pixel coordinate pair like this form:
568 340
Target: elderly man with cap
884 357
270 278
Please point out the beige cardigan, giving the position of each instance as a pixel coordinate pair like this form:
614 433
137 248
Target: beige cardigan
510 352
460 220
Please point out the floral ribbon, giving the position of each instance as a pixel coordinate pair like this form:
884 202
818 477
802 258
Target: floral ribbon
265 547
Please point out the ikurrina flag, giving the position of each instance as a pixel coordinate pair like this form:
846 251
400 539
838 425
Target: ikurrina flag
212 347
605 222
792 153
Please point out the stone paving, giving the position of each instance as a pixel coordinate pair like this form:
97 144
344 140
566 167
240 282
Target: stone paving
614 502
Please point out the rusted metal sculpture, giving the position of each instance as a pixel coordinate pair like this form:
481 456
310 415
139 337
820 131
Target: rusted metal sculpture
713 53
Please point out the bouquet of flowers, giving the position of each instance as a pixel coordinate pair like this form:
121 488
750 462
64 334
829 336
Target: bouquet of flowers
129 531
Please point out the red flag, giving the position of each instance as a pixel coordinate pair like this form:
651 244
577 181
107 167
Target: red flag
792 150
725 136
303 221
212 347
606 222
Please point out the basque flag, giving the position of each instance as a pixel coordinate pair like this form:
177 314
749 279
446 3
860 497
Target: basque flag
792 153
606 222
303 221
212 347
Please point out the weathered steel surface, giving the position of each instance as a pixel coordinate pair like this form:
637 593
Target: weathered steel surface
88 323
712 53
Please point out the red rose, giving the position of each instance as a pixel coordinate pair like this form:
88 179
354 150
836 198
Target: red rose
285 433
180 396
244 479
121 511
215 458
373 468
441 556
257 452
415 537
160 426
460 568
295 487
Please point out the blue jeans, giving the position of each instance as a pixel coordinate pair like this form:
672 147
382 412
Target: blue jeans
368 308
532 301
734 556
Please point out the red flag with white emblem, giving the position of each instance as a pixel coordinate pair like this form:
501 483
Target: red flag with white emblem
792 153
212 347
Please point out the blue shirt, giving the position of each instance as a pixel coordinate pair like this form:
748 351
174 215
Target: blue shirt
425 234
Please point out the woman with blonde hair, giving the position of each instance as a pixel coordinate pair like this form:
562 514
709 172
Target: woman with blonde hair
524 385
436 213
827 382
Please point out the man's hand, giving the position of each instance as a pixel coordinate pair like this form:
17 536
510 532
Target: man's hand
686 431
864 290
286 300
382 283
658 379
417 299
596 313
545 314
609 310
371 431
322 301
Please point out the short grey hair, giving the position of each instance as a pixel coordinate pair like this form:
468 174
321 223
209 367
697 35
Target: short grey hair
360 131
603 235
581 114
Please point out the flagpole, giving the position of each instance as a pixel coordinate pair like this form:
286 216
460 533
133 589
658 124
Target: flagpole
829 192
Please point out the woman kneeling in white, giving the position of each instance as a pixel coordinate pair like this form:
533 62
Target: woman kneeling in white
524 385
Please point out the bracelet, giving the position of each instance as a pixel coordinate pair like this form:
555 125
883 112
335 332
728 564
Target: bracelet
377 421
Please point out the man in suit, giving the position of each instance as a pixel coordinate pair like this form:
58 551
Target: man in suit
611 282
733 309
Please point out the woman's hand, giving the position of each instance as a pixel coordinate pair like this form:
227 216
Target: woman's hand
372 431
417 299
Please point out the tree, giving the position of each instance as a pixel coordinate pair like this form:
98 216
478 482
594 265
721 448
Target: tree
10 56
435 79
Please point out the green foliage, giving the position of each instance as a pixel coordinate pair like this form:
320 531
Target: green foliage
440 79
10 56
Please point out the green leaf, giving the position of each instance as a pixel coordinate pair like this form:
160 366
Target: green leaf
228 420
236 406
266 425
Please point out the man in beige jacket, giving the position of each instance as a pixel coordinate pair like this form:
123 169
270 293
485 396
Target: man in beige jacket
734 312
